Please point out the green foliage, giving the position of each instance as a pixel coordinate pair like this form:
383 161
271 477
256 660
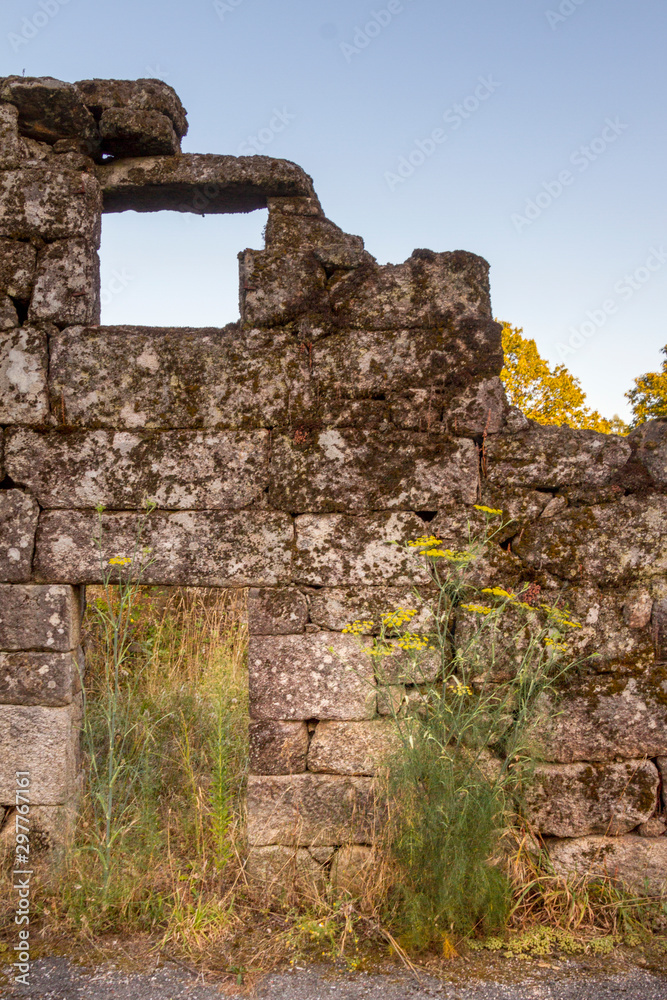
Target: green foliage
648 397
547 395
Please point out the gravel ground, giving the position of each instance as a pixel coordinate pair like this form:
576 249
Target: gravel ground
58 979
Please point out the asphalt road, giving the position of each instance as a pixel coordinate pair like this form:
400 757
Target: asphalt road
57 979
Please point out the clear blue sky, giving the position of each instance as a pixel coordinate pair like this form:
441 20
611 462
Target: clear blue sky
558 75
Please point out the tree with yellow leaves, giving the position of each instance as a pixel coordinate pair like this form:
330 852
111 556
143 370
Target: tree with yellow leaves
547 395
648 398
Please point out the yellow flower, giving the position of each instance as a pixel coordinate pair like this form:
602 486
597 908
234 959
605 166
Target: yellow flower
487 510
117 561
453 556
497 592
459 689
358 627
424 541
479 609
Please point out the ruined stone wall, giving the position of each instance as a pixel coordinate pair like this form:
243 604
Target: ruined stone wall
353 404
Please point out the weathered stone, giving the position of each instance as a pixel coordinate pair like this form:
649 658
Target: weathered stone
478 410
18 523
50 109
298 233
9 318
610 543
179 470
278 747
37 617
351 747
352 867
637 862
23 373
320 676
656 826
659 629
125 132
279 611
296 206
40 678
427 290
202 183
45 743
551 457
17 269
310 809
276 869
67 282
637 608
574 800
335 607
323 855
650 443
391 699
11 147
339 550
276 287
137 95
357 470
50 204
198 549
606 717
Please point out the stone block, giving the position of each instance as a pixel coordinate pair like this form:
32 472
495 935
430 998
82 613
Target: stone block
656 826
427 290
51 204
278 869
125 132
44 742
179 470
278 747
352 867
636 862
649 442
296 206
40 678
277 288
612 543
23 374
128 378
554 457
352 747
11 147
9 318
337 550
17 269
574 800
38 617
136 95
297 233
50 110
319 676
333 608
67 283
606 717
189 548
18 523
203 183
310 810
352 471
480 409
279 611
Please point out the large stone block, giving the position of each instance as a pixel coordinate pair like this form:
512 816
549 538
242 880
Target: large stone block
9 318
574 800
17 269
44 742
18 523
67 283
51 204
277 869
323 675
278 287
50 110
310 809
198 549
352 867
604 717
337 550
38 617
335 607
11 147
277 611
23 372
426 290
638 863
136 95
358 470
40 678
125 132
352 747
650 443
179 470
278 747
610 543
479 410
552 457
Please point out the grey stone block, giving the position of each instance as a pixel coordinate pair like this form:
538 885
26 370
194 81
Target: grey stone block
17 269
277 611
40 678
125 132
136 95
44 742
23 375
352 747
51 204
38 617
18 524
67 282
50 110
639 863
278 747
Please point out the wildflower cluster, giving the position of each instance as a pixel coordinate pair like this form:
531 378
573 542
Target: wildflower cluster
358 627
410 640
395 619
459 689
479 609
118 561
492 511
560 618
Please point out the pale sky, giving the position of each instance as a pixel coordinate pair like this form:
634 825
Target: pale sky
531 132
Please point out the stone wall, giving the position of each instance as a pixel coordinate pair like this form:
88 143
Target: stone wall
352 405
